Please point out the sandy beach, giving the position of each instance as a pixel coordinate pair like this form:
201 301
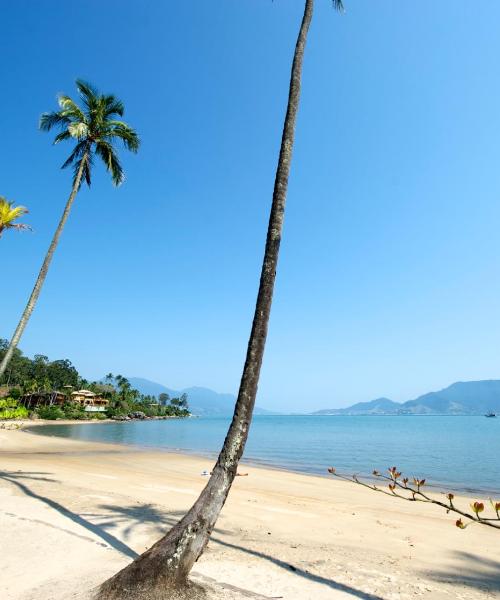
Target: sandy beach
72 513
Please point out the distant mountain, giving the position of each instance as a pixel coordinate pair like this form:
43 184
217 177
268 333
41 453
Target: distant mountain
151 388
202 401
461 398
379 406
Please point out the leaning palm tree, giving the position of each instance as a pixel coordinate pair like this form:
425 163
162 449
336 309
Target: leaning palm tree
9 214
94 127
168 562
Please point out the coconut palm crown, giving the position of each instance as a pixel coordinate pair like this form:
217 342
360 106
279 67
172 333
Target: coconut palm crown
95 126
9 214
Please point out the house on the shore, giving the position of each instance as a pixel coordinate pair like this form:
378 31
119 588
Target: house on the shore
88 400
36 399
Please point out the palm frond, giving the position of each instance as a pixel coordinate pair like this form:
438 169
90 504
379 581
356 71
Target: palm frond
338 5
123 131
80 130
87 169
113 106
61 137
88 93
86 163
70 109
75 155
106 152
49 120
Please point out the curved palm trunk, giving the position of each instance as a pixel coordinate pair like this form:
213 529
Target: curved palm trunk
43 271
169 561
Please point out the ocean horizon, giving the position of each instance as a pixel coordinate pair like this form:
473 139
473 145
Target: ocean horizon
458 453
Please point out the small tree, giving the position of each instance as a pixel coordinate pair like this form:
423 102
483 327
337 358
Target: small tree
163 399
401 487
183 401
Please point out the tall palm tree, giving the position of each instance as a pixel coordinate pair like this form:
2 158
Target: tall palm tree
95 127
9 214
168 562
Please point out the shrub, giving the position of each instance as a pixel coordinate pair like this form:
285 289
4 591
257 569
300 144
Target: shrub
74 411
97 416
10 409
15 393
50 412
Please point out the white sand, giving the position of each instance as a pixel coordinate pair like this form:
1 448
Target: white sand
73 513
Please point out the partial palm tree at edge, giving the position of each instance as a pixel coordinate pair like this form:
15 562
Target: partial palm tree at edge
95 128
9 214
162 571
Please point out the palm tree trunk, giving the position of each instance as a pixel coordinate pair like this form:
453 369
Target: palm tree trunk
43 271
169 561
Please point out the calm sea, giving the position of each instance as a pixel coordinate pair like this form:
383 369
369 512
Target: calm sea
460 453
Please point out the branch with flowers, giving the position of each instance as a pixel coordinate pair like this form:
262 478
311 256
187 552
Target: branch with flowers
400 487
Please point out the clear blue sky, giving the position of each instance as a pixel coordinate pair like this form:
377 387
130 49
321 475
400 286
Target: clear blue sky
389 280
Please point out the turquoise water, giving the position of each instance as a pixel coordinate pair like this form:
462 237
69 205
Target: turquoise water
460 453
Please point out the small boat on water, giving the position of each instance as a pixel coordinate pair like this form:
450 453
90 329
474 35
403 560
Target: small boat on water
490 415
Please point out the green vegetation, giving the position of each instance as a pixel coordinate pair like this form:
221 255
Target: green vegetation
10 409
9 215
39 374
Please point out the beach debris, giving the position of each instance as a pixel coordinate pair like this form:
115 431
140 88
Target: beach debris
205 473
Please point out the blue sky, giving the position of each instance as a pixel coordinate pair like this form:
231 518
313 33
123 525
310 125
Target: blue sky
389 277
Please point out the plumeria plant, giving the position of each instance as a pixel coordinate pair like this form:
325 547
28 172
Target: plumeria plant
401 487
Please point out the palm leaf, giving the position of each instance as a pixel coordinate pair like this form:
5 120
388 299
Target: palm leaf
63 136
52 119
87 169
77 153
85 162
88 93
80 131
123 131
70 109
113 106
106 152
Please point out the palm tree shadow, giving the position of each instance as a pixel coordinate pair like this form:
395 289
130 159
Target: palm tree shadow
149 514
15 479
341 587
472 571
138 515
143 514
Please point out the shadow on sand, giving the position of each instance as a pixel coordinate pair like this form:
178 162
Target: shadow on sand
19 480
131 517
471 571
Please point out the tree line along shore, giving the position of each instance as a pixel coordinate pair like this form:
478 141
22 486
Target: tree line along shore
38 388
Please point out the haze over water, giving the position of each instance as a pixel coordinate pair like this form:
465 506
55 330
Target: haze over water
450 452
